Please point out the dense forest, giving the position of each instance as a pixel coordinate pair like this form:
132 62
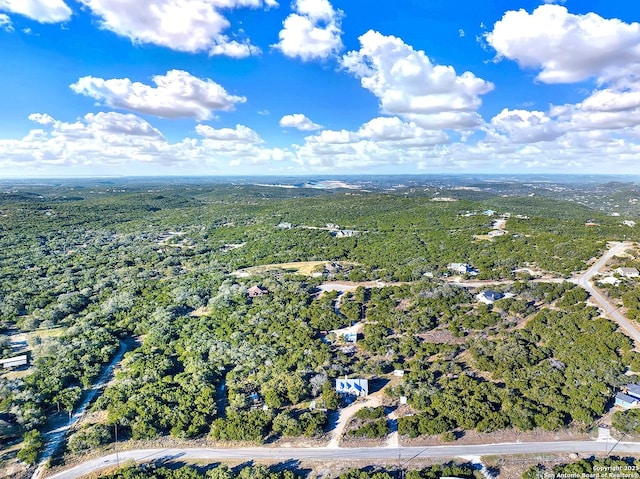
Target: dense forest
87 270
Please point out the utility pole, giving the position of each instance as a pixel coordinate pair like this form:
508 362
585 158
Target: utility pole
117 458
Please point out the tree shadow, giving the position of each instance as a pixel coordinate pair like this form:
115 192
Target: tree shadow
292 465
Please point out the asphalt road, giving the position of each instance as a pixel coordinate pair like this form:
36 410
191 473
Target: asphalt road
374 454
610 310
371 454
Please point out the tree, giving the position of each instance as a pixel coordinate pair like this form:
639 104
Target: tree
32 443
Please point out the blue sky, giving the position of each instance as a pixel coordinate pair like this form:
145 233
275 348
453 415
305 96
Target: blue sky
226 87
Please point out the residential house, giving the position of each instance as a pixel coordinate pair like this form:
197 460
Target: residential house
633 390
629 223
625 401
628 272
462 268
629 397
344 233
285 225
351 337
489 296
14 362
257 291
352 387
496 233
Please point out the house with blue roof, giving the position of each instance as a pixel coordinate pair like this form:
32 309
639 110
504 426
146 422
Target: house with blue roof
625 401
352 387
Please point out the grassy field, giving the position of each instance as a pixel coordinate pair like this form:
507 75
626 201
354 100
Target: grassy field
302 267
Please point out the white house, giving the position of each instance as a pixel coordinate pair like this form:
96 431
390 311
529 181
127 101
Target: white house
352 387
629 223
628 272
462 268
14 362
489 296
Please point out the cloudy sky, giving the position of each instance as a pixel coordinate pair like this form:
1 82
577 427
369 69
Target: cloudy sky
219 87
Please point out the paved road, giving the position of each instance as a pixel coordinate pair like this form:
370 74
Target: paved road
371 454
610 310
55 438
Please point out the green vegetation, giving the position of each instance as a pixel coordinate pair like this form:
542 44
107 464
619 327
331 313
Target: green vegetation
151 471
149 265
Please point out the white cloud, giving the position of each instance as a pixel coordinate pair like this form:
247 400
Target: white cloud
299 121
567 48
407 84
393 129
607 109
461 33
524 126
5 23
176 94
382 141
182 25
109 141
240 134
313 32
43 11
234 49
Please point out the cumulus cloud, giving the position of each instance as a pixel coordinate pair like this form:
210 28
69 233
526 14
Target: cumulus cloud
240 133
43 11
182 25
176 94
408 84
312 32
567 48
380 141
107 140
299 121
524 126
606 109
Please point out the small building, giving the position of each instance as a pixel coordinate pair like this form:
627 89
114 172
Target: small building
398 373
629 223
628 272
344 233
625 401
462 268
352 387
633 390
496 233
257 291
489 296
14 362
351 337
285 226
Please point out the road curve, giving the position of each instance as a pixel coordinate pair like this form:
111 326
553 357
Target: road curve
584 280
371 454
